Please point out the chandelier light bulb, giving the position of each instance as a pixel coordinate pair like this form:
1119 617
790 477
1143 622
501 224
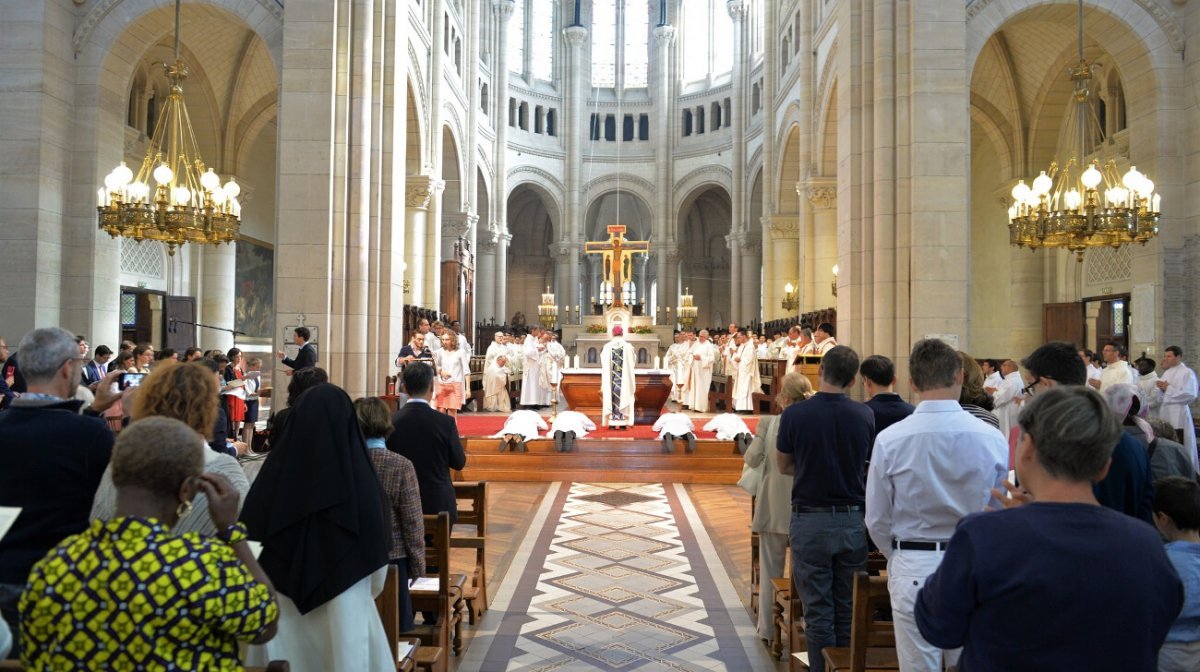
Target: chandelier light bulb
1119 195
209 180
835 270
232 189
1042 184
139 191
788 288
1132 179
1091 177
123 174
163 174
1072 199
1146 190
1020 193
112 182
218 196
181 195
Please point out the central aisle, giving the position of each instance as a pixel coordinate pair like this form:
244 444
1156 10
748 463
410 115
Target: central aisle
616 577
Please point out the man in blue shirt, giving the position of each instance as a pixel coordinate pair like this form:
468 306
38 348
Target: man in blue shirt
824 442
879 380
1060 583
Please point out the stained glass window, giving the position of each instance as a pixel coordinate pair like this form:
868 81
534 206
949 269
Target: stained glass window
542 47
604 43
516 38
637 43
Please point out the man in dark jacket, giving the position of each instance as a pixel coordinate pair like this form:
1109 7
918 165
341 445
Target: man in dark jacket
430 440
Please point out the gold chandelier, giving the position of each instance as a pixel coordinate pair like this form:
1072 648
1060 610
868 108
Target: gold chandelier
1065 207
188 203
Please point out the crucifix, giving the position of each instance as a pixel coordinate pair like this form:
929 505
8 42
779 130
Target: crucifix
618 260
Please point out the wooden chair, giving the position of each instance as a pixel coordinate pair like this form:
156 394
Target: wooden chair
435 637
872 642
474 591
388 604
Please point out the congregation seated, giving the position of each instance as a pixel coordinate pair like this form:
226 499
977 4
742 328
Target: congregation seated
399 481
1177 516
301 380
52 460
1011 580
1168 457
188 393
322 517
127 594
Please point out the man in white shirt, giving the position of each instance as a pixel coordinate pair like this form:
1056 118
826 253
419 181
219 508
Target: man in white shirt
671 426
746 381
520 427
463 343
1178 385
695 391
532 394
927 472
992 377
434 342
1147 383
568 426
1089 360
1007 400
824 339
1116 370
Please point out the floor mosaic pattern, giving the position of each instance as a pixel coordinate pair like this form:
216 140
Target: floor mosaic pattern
616 577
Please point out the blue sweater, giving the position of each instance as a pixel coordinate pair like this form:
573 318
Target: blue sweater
1051 586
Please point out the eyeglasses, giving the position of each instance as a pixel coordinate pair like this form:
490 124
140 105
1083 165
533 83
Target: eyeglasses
1031 389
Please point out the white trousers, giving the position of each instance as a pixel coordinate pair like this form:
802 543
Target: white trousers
772 554
907 571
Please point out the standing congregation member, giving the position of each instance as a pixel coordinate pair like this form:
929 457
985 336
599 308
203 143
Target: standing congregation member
127 594
1127 485
399 481
413 350
306 357
430 441
974 398
532 394
322 517
51 457
1011 579
927 472
747 381
96 369
452 365
1178 385
1093 371
1177 517
617 381
695 391
1116 371
773 499
824 444
879 379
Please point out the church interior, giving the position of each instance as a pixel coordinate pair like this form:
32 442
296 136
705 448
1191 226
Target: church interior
872 165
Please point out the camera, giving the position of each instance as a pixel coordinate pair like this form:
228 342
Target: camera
128 380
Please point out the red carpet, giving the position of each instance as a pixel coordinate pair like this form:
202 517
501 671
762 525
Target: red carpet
470 424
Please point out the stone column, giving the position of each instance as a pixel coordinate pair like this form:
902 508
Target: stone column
753 261
821 195
216 299
576 77
432 246
782 243
734 241
664 142
485 273
566 284
389 279
770 169
419 193
739 194
503 10
471 156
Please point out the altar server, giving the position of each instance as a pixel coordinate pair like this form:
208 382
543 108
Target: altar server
748 382
617 360
1178 385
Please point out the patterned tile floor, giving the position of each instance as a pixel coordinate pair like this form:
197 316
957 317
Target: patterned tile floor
616 577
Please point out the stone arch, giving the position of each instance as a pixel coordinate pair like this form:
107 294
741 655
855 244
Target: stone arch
453 196
697 180
534 222
789 171
704 218
414 152
551 189
825 142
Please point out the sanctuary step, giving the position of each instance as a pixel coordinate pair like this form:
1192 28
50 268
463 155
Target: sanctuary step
604 461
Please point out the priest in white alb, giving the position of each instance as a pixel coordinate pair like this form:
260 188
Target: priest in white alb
1178 385
532 393
617 360
677 363
554 358
695 390
495 376
1007 400
747 382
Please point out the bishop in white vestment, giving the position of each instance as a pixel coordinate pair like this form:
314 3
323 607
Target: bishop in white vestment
617 360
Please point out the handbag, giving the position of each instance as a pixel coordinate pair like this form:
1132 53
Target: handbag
752 478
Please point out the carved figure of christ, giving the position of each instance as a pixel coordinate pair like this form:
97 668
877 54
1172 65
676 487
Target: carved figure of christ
617 260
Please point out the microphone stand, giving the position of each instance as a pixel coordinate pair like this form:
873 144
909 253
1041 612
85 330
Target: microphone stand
173 322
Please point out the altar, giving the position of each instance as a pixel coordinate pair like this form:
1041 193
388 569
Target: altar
652 388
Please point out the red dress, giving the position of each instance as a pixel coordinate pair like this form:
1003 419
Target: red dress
235 403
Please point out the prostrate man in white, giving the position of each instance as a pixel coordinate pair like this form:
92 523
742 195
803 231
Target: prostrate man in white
568 426
1178 385
677 361
532 394
553 360
520 427
747 381
1116 371
617 360
671 426
927 472
1007 399
695 392
495 376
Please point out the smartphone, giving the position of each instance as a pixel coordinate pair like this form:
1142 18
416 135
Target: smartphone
128 380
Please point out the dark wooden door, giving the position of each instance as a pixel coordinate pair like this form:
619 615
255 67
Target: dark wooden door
1063 322
1112 323
181 323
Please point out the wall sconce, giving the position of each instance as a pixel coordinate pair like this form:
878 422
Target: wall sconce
835 274
790 301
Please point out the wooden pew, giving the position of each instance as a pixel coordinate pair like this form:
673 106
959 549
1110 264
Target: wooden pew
474 591
872 642
436 636
388 604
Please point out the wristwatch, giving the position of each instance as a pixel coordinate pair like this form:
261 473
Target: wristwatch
233 534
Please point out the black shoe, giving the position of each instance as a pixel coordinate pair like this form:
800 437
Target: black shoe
521 447
503 445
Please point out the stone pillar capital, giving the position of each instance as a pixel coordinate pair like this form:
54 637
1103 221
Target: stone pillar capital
737 9
458 224
576 35
503 9
821 192
420 190
664 35
782 227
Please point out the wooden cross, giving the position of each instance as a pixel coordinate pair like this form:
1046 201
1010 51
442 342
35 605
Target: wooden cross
618 263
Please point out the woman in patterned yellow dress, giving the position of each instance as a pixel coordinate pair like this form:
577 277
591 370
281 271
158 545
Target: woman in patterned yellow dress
126 595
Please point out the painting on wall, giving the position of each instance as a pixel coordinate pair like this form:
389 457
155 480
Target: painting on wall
254 294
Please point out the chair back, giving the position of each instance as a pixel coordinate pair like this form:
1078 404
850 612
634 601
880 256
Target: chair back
388 605
870 595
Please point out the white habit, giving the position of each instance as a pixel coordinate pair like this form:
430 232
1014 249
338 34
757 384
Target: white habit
1117 373
525 423
727 426
626 379
675 424
553 360
1007 401
747 382
678 356
695 390
1152 397
495 380
532 393
571 421
1177 399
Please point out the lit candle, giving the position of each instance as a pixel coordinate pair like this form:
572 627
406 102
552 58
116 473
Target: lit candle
657 361
100 197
